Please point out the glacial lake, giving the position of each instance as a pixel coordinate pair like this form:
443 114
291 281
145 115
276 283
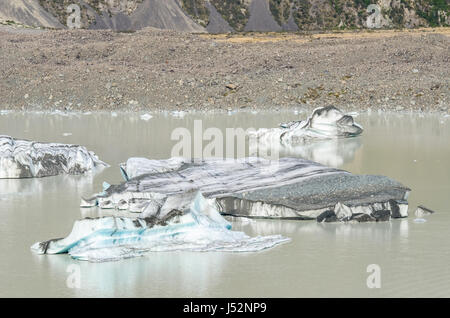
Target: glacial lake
322 260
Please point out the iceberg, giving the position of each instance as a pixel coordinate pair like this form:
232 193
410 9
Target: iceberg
288 188
324 123
27 159
189 222
422 211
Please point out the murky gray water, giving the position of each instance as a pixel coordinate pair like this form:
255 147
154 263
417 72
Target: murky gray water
321 260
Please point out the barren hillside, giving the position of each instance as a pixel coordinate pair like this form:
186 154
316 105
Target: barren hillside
167 70
220 16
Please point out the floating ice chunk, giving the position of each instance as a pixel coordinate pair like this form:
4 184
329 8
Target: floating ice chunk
422 211
419 220
324 123
198 226
146 117
322 137
255 187
67 134
26 159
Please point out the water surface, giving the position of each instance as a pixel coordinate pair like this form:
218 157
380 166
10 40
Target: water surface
322 259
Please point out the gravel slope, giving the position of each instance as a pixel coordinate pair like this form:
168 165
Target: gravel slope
165 70
217 23
260 17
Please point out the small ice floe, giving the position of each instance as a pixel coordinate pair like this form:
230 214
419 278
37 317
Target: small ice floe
324 137
422 211
146 117
186 222
324 123
288 188
67 134
27 159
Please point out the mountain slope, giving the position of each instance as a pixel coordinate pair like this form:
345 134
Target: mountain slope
217 23
126 14
27 12
221 16
165 14
260 17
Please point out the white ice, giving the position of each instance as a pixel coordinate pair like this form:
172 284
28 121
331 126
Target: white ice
138 166
26 159
199 228
324 123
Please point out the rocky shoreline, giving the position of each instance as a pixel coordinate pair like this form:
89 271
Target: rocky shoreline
155 70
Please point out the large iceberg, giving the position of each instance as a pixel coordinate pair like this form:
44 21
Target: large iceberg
27 159
189 222
289 188
324 123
